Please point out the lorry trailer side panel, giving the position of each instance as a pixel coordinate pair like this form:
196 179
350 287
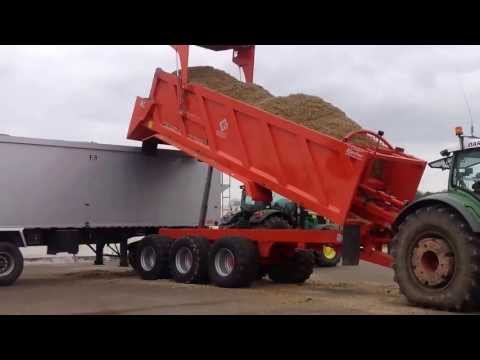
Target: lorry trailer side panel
58 184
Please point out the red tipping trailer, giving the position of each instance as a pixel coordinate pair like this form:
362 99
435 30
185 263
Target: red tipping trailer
336 179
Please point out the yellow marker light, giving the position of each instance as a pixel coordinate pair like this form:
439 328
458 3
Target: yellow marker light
458 131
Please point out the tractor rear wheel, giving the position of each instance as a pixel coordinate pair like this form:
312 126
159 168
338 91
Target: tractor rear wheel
274 222
294 270
436 260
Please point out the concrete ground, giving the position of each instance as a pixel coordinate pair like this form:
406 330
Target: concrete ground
85 289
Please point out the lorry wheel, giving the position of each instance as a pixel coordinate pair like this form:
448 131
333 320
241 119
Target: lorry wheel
436 260
189 260
234 262
294 270
328 257
11 263
152 257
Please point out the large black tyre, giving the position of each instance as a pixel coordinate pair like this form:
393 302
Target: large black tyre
238 221
327 257
11 263
294 270
274 222
152 257
233 263
188 260
436 260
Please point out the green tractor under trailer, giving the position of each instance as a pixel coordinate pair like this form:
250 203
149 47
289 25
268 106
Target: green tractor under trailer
281 213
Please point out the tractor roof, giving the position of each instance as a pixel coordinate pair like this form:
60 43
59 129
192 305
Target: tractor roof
470 142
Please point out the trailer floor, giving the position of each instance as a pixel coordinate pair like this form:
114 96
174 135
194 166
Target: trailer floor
85 289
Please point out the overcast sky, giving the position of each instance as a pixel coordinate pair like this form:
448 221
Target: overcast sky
87 93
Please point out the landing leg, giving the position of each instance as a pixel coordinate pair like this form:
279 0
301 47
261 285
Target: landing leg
123 254
99 253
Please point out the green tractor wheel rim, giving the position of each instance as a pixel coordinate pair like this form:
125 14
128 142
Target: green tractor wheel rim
329 252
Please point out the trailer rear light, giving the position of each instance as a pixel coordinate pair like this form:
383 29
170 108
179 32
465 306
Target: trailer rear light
339 237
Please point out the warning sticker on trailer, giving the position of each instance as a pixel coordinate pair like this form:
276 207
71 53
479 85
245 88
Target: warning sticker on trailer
354 154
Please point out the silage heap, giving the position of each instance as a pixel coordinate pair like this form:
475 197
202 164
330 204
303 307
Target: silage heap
309 111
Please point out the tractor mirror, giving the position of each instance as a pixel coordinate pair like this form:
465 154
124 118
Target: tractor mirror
443 164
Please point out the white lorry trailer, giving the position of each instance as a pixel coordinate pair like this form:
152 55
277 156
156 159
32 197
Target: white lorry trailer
63 194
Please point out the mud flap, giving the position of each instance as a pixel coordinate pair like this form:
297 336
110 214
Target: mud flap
351 245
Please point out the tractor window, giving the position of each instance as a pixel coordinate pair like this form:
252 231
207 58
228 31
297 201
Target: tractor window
467 171
249 200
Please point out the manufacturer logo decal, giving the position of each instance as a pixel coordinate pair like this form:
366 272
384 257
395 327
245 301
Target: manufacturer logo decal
473 144
223 126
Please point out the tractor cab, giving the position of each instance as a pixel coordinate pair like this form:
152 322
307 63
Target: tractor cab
247 204
465 174
463 162
255 213
258 213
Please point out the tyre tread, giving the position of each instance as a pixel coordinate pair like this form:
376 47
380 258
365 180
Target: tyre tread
463 300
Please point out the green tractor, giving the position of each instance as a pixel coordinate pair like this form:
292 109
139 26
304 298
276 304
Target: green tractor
280 214
436 247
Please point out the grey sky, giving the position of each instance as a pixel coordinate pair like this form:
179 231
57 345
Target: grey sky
87 93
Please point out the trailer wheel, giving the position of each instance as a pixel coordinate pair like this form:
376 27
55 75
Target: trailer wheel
11 263
328 257
262 272
189 260
436 260
152 257
294 270
234 262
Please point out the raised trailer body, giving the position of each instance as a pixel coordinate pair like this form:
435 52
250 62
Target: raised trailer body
61 194
336 179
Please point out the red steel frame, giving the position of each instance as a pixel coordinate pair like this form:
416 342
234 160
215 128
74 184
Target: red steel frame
266 239
268 153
